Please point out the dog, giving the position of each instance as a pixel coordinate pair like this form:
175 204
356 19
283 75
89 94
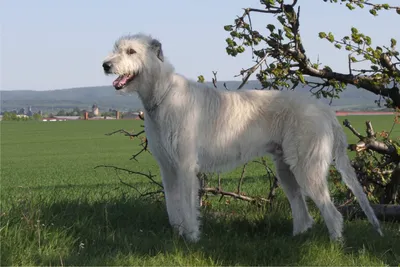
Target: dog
192 129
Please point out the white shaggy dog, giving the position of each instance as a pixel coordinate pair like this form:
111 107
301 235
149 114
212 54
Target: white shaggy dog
192 129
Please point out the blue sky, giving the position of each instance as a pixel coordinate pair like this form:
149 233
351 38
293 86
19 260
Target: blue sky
48 44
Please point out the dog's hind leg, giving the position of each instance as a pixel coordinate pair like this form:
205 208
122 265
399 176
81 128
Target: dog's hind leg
312 178
302 220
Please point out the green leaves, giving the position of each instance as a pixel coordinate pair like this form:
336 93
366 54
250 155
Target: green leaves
288 32
367 40
200 79
373 12
270 27
240 49
374 68
350 6
230 42
269 3
330 37
300 76
282 19
228 28
338 46
393 43
233 49
322 35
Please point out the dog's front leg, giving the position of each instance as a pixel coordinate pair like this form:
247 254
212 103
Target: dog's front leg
189 194
172 197
181 190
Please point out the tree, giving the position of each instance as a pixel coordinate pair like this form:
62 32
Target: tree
61 113
282 60
37 117
9 116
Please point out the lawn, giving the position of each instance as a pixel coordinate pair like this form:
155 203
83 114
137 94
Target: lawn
57 209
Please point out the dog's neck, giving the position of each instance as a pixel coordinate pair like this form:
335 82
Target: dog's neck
156 91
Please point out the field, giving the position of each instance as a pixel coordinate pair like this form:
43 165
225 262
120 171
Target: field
57 209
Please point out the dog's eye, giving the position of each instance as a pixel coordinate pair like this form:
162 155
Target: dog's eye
130 51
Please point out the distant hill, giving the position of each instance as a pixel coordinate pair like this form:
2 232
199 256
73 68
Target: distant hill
107 97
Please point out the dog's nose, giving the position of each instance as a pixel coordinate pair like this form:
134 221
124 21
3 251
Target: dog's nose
107 66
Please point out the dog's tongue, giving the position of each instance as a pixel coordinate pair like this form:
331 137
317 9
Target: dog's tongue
121 80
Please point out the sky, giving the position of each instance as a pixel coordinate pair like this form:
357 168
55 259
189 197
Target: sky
56 44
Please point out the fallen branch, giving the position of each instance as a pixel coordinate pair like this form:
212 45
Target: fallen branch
383 180
217 191
383 212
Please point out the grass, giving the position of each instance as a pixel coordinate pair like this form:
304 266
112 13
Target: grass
56 209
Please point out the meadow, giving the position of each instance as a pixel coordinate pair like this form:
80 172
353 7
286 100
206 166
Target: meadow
58 209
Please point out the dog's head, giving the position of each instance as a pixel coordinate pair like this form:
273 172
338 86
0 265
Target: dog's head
136 59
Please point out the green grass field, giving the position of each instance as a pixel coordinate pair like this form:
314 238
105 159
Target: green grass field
56 209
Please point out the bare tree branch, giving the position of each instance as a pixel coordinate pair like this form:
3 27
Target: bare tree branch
370 142
148 176
132 135
217 191
144 145
214 79
251 70
347 124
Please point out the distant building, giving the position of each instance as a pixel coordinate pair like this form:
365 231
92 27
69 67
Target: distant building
95 110
131 115
67 118
29 113
102 118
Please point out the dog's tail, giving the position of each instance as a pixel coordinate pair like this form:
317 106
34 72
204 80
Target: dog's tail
349 177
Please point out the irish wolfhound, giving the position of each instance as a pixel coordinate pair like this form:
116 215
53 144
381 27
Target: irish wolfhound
192 129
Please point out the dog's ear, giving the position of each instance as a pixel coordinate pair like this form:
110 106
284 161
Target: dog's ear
156 47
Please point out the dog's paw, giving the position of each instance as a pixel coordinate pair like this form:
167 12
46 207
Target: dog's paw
299 229
193 236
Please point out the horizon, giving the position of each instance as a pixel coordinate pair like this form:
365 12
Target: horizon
67 40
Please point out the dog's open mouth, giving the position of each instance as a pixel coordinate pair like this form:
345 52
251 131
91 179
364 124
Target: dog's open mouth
123 80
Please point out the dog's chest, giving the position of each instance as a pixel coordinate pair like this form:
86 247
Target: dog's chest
161 140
